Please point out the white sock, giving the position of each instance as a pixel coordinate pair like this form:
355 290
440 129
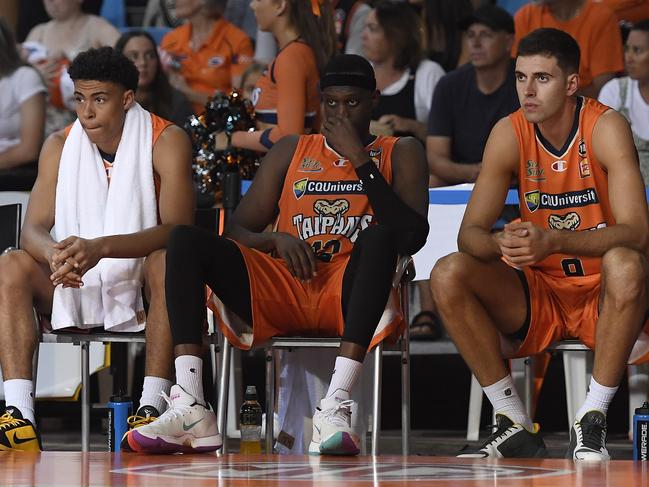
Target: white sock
345 374
151 390
20 393
505 400
598 398
189 375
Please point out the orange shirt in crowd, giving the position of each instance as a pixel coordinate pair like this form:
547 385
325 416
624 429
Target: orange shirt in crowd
286 97
629 10
226 53
595 29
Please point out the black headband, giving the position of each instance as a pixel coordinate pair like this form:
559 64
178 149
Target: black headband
348 79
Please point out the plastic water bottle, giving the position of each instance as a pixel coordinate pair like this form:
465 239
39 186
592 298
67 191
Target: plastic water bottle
119 409
250 423
641 433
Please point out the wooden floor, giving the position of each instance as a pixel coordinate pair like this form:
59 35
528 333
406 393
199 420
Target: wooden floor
96 469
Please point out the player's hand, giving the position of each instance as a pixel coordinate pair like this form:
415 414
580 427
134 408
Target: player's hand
297 254
70 278
523 244
342 137
77 255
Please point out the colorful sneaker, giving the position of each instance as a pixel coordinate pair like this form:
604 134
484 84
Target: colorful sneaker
588 438
332 427
509 441
17 433
143 416
185 427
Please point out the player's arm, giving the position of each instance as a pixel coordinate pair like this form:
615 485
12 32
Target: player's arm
259 208
614 148
438 151
172 163
499 165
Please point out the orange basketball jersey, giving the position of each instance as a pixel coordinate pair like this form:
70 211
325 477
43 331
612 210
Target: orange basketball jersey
565 188
323 201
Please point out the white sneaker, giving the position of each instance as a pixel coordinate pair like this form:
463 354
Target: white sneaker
332 427
186 426
588 438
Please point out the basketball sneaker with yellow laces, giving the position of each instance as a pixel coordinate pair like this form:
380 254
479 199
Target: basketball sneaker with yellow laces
143 416
18 433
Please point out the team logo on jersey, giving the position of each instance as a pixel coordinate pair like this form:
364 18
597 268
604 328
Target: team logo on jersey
572 199
310 165
569 221
559 166
305 186
534 172
254 97
584 168
375 155
331 208
582 148
215 61
340 162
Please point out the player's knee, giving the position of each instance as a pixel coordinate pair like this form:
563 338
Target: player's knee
14 269
154 269
449 276
625 275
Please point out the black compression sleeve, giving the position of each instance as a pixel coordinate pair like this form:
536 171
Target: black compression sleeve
410 228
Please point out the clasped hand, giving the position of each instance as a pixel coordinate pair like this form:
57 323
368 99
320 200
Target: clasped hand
523 244
297 254
71 258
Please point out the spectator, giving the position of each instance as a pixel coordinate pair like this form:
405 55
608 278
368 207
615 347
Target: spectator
154 92
593 26
207 53
392 42
630 94
52 46
350 17
469 101
22 116
286 97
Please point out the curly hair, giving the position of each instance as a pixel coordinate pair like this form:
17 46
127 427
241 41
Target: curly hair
104 64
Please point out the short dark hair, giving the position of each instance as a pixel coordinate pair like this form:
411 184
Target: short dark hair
104 64
642 25
403 29
552 43
348 70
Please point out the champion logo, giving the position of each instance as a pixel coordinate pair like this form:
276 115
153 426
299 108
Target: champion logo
340 163
559 166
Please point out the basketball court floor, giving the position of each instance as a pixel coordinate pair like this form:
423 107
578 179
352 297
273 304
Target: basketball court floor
129 469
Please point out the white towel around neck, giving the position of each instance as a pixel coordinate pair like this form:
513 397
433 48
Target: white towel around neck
88 207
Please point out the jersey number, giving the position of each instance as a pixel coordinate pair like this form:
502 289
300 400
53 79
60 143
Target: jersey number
572 267
326 252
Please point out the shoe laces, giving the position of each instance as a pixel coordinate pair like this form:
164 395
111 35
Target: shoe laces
592 435
501 431
340 414
7 421
136 421
174 411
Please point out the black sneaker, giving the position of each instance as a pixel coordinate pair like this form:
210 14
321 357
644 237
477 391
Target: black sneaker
18 433
144 415
588 438
509 441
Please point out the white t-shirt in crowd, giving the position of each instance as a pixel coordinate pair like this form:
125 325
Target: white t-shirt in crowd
426 78
15 89
637 107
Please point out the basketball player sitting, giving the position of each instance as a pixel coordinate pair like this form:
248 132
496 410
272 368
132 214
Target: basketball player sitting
113 185
574 267
345 205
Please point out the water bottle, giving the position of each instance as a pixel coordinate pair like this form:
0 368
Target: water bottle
641 433
119 409
250 423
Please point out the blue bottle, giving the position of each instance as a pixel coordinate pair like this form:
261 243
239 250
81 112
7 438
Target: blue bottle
119 409
641 433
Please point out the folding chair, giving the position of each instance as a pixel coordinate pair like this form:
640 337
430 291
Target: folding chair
10 216
404 273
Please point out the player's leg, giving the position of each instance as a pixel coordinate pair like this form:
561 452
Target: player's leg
478 303
24 282
194 258
366 286
623 304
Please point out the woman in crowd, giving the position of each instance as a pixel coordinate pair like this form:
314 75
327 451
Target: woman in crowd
207 53
22 116
630 94
154 92
392 42
51 46
286 97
